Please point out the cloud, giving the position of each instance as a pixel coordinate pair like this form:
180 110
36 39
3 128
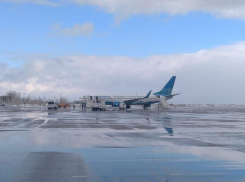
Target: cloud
39 2
126 8
77 30
207 76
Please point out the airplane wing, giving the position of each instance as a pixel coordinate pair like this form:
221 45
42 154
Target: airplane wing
131 101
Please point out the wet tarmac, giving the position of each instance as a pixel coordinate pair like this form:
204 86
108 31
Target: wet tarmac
186 144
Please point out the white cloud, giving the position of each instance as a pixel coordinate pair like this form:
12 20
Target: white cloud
39 2
207 76
77 30
125 8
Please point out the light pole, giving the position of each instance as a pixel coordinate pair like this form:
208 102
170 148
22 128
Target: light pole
24 99
19 98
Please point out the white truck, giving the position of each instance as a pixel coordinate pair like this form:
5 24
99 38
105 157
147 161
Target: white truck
51 104
2 103
95 103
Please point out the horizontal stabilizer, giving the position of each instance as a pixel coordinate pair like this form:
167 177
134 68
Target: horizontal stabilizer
171 95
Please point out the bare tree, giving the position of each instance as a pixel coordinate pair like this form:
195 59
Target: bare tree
14 98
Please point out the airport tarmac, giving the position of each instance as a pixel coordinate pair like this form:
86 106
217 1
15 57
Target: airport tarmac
186 144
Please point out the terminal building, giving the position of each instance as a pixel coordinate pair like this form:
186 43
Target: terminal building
6 99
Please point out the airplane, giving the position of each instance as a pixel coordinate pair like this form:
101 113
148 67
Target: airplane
160 97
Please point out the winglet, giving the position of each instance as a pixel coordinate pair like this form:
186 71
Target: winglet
148 95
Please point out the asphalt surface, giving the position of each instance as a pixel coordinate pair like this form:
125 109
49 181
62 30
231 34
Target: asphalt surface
181 145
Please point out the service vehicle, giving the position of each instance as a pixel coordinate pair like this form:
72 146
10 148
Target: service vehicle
51 104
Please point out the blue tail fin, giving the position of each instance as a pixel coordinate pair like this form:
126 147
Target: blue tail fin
167 89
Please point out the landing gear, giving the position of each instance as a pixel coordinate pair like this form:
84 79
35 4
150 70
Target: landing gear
146 106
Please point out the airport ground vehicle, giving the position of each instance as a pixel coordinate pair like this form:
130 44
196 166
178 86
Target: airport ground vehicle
51 104
95 103
122 106
2 103
64 105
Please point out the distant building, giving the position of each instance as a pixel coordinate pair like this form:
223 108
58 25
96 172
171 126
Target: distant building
6 99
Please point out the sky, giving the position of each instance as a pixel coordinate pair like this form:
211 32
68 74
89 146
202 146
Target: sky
124 47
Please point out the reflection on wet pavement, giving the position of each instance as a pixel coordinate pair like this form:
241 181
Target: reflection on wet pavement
183 144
